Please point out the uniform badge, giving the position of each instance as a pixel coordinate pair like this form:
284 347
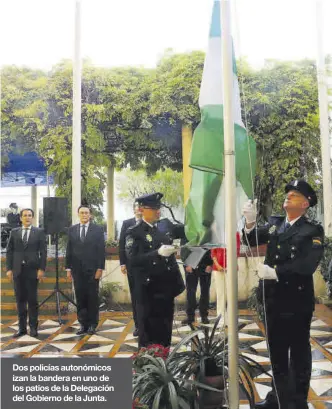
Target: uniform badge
272 229
148 238
316 241
129 241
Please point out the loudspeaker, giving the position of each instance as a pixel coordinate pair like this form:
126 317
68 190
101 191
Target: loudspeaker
55 214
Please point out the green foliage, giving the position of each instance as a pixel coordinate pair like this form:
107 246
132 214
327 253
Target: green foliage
282 116
254 303
209 356
133 116
324 264
137 183
106 293
175 89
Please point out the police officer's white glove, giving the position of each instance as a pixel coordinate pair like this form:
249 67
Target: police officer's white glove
166 250
265 272
249 211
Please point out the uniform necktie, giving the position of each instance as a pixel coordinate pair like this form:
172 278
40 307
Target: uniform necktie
83 233
25 238
287 226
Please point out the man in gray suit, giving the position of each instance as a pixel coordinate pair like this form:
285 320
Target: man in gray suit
26 263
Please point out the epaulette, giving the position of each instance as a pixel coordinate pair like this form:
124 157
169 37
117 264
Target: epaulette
314 222
275 219
135 226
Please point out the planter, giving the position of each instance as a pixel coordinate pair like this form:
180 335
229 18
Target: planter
111 251
212 400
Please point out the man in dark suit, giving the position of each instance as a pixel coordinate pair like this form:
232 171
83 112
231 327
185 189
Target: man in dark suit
201 273
158 279
294 250
123 260
85 262
26 263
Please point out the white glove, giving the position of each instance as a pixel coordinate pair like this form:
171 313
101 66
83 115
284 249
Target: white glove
249 211
266 273
166 250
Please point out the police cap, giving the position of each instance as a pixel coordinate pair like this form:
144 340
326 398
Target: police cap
303 187
150 200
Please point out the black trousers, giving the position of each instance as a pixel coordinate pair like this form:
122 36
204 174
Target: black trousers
191 286
131 283
87 299
291 360
25 287
155 320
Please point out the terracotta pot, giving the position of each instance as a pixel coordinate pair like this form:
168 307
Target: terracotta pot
209 399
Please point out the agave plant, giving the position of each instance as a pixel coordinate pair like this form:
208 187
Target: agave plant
209 357
156 385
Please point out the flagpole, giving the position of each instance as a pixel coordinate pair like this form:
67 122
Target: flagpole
324 121
230 205
76 144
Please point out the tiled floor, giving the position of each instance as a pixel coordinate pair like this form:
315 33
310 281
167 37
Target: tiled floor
114 338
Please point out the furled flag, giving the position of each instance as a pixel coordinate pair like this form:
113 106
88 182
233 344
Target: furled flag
205 207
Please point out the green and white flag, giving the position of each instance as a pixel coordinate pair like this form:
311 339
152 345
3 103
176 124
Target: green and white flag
205 207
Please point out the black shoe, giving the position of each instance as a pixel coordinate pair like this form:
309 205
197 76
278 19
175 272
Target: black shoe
20 333
81 331
33 332
267 404
205 320
188 321
92 330
135 333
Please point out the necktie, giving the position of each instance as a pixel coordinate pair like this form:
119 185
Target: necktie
287 226
83 233
25 238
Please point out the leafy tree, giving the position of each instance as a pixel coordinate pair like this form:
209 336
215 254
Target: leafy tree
282 115
22 107
135 183
175 88
132 116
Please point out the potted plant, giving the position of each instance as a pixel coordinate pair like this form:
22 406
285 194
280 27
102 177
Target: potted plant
208 363
255 304
138 405
112 247
157 384
106 294
155 350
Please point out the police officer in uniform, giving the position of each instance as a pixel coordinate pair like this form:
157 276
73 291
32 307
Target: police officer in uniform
294 250
158 280
13 218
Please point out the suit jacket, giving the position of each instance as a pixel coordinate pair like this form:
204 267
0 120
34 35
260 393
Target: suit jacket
122 241
34 255
13 220
89 256
155 276
295 255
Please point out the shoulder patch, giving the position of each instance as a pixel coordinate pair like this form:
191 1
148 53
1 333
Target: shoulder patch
317 242
129 241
